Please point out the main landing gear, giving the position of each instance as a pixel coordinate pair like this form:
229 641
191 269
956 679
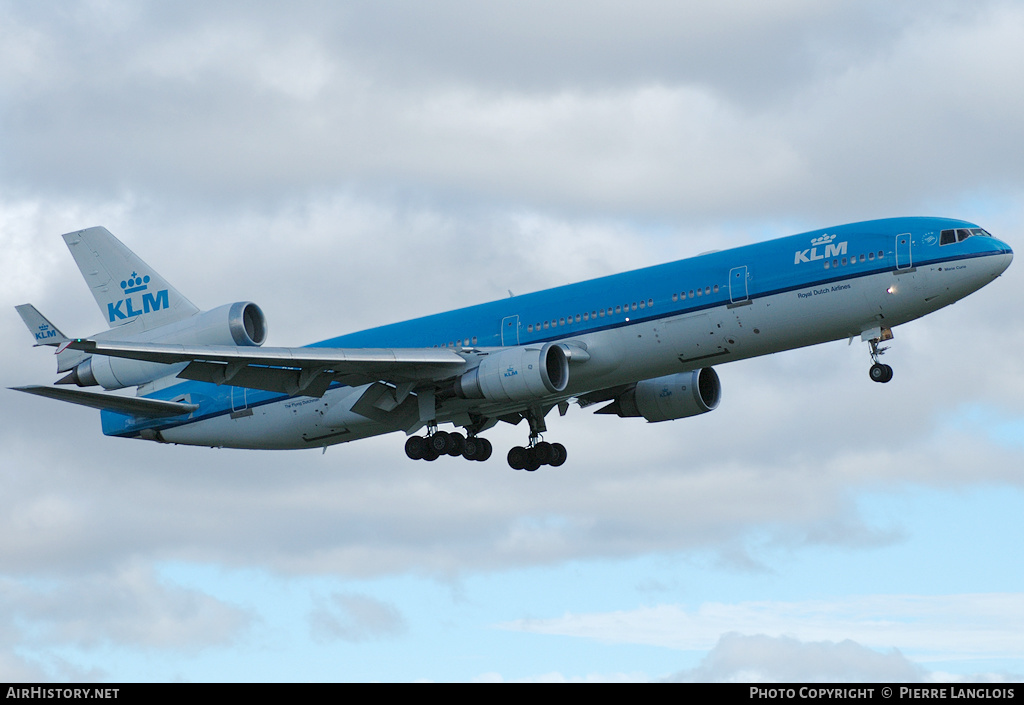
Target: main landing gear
538 452
879 372
438 443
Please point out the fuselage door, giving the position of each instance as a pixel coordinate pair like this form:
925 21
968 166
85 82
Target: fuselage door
904 259
510 330
738 284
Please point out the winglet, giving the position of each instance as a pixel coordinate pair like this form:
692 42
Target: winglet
41 329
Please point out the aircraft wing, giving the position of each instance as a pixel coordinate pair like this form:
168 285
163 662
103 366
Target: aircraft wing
294 371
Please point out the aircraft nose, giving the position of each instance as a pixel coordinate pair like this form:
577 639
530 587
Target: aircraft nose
1003 257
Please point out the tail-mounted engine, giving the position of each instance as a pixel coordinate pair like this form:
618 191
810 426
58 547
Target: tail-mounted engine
240 324
516 374
672 397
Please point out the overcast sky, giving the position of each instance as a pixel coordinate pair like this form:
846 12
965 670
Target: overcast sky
347 164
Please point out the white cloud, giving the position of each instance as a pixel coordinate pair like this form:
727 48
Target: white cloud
924 627
764 659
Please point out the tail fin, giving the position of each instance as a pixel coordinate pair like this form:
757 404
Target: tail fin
125 288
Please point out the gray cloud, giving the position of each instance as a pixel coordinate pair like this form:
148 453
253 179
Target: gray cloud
129 607
216 106
356 618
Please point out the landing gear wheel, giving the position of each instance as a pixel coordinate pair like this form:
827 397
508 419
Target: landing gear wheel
558 455
517 458
439 442
545 452
456 444
415 447
472 449
880 373
532 460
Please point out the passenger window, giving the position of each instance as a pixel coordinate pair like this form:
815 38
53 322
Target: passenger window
643 304
650 302
675 297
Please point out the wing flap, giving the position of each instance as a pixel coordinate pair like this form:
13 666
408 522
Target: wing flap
270 379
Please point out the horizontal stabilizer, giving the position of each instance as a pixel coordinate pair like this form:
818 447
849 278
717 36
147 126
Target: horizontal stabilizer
136 406
41 329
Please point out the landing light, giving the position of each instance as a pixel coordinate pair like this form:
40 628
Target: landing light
891 290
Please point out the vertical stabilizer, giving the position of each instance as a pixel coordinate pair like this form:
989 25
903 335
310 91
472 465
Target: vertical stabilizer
126 289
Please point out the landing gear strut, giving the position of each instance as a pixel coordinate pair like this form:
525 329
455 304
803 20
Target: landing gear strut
538 452
879 372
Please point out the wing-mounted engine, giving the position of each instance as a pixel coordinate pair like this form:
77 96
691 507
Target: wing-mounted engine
241 324
671 397
516 374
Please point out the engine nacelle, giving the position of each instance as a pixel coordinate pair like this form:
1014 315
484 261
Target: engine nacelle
516 374
671 397
240 324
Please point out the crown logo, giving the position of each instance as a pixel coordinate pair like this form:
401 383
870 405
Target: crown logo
135 283
823 240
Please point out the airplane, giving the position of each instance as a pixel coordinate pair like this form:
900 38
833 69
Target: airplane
644 343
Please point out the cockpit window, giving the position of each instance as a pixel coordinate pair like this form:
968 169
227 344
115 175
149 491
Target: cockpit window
959 235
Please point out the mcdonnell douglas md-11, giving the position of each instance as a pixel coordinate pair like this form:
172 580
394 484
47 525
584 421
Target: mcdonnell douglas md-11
641 343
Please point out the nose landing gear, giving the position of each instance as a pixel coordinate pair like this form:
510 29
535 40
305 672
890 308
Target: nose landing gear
879 372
